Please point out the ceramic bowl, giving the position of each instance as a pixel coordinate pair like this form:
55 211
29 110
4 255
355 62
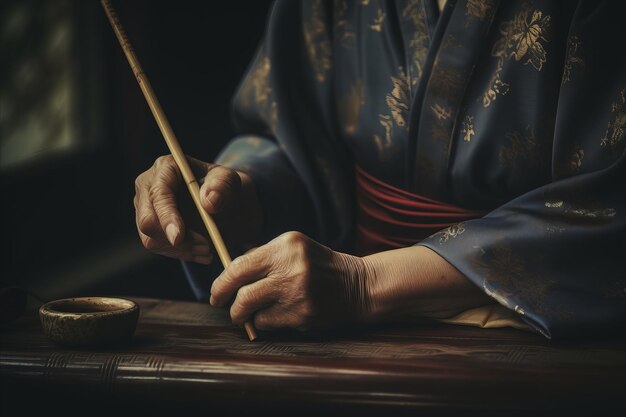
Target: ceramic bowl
90 321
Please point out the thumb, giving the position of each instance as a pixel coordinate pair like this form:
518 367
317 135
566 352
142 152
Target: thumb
221 185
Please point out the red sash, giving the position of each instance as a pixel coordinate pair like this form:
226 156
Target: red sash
391 218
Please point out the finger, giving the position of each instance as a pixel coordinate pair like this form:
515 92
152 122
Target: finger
163 198
251 298
145 218
221 184
148 226
186 252
246 269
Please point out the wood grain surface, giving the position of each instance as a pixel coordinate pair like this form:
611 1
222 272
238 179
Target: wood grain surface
188 358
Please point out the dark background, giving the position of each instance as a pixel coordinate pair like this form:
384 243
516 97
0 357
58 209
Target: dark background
68 219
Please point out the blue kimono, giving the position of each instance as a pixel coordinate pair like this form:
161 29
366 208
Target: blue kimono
516 109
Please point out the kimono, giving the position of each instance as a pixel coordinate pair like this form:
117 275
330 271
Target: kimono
514 109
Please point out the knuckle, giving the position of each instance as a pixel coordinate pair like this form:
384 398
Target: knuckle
164 160
160 194
246 296
239 266
138 183
155 192
294 239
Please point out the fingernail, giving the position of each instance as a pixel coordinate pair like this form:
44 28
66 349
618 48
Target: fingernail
215 198
172 233
212 301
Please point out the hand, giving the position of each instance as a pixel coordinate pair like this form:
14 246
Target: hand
168 222
294 282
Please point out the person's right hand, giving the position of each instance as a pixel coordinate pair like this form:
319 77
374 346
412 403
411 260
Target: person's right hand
168 222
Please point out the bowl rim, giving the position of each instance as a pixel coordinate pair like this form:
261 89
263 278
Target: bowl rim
129 307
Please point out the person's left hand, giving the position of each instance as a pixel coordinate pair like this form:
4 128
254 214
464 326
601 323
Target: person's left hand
294 282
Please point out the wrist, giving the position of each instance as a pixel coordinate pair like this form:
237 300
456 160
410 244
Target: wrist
416 280
356 276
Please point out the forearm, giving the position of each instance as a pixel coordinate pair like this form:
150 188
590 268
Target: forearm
419 281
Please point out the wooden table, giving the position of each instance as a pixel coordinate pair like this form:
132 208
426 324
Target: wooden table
187 359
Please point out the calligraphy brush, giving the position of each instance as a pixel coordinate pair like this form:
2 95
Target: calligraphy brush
172 143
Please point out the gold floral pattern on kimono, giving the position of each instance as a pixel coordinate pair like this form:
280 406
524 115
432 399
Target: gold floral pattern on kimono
496 87
616 129
377 25
591 213
419 43
343 28
507 277
257 88
317 41
397 101
446 83
520 39
588 212
576 157
468 128
522 151
451 232
440 112
451 42
572 59
479 9
572 162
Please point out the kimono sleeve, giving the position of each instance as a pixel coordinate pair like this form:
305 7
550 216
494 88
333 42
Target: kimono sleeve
555 254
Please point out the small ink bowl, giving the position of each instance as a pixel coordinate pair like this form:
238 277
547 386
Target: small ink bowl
90 321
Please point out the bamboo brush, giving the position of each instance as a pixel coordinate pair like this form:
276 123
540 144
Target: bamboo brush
172 143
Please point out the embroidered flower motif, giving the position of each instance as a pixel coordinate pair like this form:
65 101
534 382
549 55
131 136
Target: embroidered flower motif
451 232
553 203
479 9
317 42
257 88
343 29
616 129
378 21
397 101
571 58
468 128
442 113
521 39
419 43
